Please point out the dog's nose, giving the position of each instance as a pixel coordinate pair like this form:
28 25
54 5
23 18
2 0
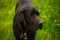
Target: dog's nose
40 25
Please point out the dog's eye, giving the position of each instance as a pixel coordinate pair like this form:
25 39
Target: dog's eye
35 13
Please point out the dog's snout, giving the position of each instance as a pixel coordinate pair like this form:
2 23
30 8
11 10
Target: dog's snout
40 25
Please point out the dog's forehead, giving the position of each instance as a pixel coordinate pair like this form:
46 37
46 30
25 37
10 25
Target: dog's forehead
31 7
28 7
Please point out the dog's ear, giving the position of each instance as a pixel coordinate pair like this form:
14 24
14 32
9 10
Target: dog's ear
20 14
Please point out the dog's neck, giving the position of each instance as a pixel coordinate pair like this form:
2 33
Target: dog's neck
25 1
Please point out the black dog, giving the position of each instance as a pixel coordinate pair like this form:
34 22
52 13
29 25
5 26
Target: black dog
26 20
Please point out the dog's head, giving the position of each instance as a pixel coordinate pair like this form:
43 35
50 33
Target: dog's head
30 16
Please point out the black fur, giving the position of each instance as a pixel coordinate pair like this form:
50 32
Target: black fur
26 20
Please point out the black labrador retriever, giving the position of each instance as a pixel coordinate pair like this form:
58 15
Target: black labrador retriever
26 20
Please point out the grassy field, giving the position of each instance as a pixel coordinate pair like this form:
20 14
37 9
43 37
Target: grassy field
49 14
